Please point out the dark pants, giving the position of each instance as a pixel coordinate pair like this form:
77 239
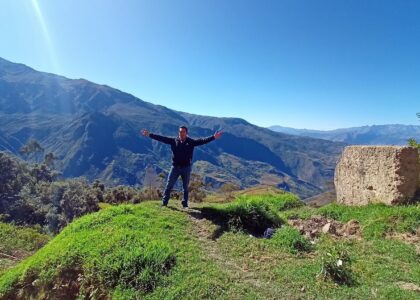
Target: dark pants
173 175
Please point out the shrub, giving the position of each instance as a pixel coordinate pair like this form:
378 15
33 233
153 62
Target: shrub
290 238
30 194
250 214
123 194
336 265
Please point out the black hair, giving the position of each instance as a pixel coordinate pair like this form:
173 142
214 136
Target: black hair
185 127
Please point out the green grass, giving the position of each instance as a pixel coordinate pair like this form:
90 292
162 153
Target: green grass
123 252
376 219
18 242
99 252
290 239
252 213
14 238
143 251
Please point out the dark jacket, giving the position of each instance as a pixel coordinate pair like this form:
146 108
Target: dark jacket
182 152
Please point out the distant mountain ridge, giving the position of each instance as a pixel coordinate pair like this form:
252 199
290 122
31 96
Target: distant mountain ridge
94 131
392 134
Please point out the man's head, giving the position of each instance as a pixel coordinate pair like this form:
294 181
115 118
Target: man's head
183 132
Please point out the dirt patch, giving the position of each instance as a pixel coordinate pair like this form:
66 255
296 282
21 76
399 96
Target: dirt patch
313 227
408 286
203 228
407 237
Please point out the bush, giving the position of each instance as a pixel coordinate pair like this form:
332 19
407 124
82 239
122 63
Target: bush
55 204
336 265
123 194
290 238
250 214
14 174
78 199
30 194
14 238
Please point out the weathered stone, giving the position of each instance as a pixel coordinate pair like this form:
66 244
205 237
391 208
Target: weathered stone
326 228
370 174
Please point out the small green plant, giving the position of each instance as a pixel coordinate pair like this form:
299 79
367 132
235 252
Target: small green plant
336 265
413 143
290 238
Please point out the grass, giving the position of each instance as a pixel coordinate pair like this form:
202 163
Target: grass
18 242
143 251
376 219
290 239
252 214
121 252
97 253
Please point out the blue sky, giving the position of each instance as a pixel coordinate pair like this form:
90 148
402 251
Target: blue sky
303 64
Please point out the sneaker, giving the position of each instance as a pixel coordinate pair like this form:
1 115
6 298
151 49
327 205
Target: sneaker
164 205
185 208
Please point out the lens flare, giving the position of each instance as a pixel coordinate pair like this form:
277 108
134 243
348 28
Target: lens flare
45 33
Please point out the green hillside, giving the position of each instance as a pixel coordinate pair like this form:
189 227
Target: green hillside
216 251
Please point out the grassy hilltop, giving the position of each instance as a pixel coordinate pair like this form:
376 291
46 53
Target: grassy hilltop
216 251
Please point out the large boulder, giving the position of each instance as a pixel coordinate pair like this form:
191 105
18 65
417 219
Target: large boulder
371 174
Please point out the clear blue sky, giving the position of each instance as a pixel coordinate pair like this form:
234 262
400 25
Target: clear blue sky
304 64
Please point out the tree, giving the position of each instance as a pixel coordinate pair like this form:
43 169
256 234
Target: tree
32 150
77 199
13 176
123 194
49 160
30 194
40 172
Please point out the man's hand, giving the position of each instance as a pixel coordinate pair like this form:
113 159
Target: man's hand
144 132
218 134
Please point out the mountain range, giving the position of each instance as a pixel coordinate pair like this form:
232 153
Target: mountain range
393 134
93 130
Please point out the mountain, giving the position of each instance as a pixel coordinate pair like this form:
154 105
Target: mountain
395 134
93 130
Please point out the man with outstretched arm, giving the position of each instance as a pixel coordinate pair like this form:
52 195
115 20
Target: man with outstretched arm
182 152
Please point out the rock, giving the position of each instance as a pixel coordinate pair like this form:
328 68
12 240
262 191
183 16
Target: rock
314 226
269 232
326 228
369 174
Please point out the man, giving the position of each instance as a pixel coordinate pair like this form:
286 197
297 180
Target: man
182 153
